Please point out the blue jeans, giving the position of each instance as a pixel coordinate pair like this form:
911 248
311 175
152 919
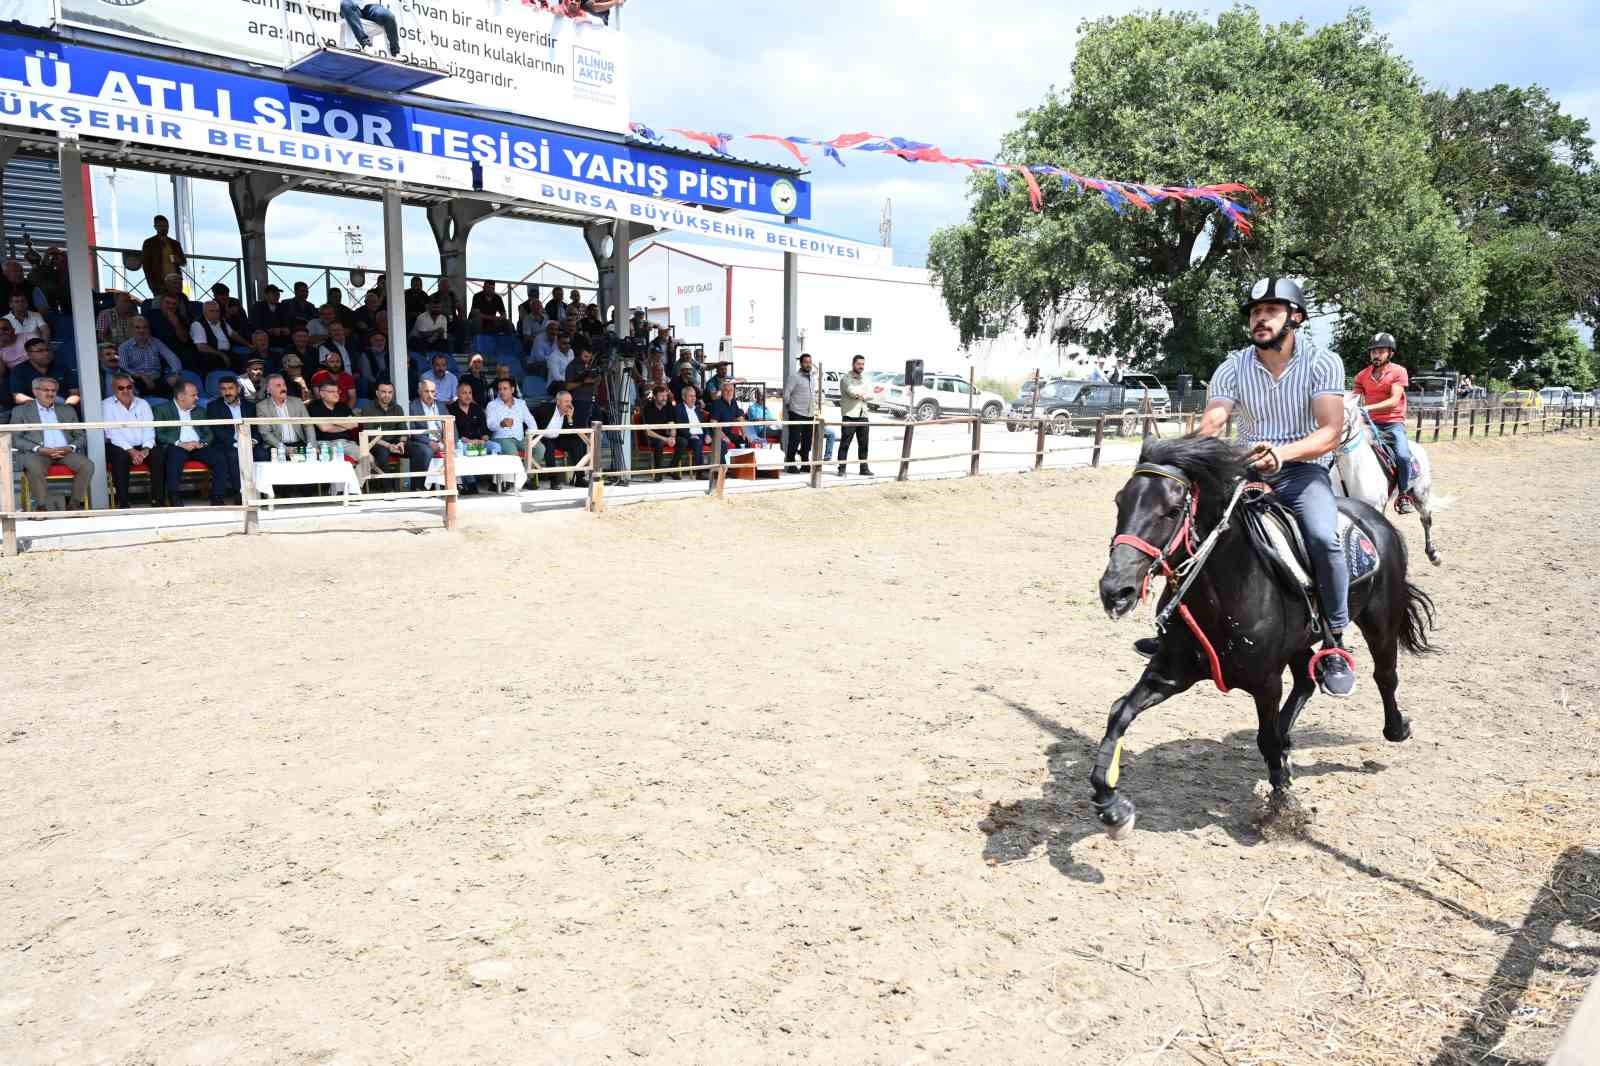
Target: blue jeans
353 14
1308 492
1395 434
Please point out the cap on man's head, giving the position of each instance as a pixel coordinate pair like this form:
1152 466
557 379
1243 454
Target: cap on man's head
256 360
293 360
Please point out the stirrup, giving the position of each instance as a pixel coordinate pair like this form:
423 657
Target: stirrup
1403 504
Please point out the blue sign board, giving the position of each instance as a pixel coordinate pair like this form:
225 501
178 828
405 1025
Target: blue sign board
249 117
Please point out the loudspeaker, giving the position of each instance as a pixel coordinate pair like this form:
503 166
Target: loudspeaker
914 372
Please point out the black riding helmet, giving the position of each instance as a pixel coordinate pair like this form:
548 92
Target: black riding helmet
1275 290
1382 340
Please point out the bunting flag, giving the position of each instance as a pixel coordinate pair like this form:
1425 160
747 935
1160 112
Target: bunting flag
1235 201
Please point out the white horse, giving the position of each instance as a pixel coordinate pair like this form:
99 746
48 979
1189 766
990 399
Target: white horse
1361 475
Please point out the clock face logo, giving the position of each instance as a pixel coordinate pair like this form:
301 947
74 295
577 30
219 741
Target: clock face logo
784 196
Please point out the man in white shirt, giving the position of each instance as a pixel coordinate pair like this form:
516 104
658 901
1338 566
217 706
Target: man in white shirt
431 331
444 382
280 404
557 434
25 320
132 445
12 352
322 326
212 338
41 449
692 437
543 345
510 421
560 359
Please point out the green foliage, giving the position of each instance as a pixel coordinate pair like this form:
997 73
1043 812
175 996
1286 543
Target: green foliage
1004 386
1560 359
1327 124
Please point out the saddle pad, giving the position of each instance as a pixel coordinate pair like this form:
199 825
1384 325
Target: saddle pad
1360 553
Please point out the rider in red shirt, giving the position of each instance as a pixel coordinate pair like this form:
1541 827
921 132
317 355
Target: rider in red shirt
1382 386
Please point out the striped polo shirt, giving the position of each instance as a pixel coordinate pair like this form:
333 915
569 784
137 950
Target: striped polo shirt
1278 412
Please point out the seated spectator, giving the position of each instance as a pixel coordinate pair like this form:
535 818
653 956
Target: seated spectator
555 309
454 309
530 319
561 358
171 326
40 365
510 421
656 443
472 428
475 378
346 316
340 427
431 331
152 364
110 367
545 345
557 433
377 358
488 312
334 357
684 380
260 347
369 316
386 448
725 408
271 314
252 383
280 403
294 375
41 449
229 403
212 340
300 310
444 382
691 435
300 347
503 372
12 280
12 352
574 311
321 327
115 323
187 444
758 411
25 321
590 325
422 447
133 445
416 299
233 315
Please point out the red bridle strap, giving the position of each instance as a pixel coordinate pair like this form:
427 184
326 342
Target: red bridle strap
1183 538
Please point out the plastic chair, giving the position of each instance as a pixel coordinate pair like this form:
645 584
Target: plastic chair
535 389
54 474
212 386
199 383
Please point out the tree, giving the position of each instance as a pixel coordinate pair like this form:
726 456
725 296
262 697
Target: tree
1326 124
1518 174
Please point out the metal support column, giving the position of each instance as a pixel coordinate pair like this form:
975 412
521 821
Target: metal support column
791 334
251 194
452 223
394 280
79 271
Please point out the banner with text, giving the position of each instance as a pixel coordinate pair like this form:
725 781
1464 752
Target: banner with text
114 95
500 54
664 214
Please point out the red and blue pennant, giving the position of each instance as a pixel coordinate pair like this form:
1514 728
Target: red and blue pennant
1234 200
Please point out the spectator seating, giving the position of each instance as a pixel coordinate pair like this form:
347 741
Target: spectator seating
211 387
196 472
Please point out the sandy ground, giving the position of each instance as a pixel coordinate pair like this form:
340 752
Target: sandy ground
791 777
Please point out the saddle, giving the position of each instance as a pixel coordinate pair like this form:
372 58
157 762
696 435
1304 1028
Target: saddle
1386 457
1275 534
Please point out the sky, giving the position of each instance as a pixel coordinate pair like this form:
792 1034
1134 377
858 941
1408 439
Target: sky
955 74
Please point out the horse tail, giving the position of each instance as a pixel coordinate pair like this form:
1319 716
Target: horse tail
1419 619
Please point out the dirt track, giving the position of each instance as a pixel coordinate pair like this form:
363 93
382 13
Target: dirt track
385 797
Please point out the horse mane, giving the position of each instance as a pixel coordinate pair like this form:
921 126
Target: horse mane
1214 465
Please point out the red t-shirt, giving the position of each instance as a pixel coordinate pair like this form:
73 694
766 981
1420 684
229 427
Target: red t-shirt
1376 389
346 383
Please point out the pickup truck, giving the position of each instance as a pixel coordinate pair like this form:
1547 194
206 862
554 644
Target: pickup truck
1062 403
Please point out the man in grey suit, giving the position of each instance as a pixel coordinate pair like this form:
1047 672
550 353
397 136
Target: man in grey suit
43 448
279 404
420 448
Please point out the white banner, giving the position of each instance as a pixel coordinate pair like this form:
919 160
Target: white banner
743 230
501 54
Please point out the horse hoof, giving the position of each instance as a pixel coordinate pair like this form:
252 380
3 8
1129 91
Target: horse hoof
1118 817
1433 557
1401 735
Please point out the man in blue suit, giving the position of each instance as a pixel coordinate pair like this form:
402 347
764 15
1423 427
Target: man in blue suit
228 403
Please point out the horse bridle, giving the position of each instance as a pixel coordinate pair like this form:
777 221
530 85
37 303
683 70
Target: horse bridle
1186 572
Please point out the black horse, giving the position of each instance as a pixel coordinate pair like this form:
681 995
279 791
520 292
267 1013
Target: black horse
1243 624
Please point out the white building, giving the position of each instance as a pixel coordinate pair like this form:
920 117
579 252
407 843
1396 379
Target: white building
887 313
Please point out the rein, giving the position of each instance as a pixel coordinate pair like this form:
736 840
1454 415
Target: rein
1188 571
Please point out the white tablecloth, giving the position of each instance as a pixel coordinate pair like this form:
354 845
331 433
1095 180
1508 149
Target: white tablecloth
339 474
502 467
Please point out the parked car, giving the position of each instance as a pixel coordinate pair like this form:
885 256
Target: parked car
1432 392
942 394
878 382
1520 398
1070 406
830 384
1140 385
1556 396
1055 406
